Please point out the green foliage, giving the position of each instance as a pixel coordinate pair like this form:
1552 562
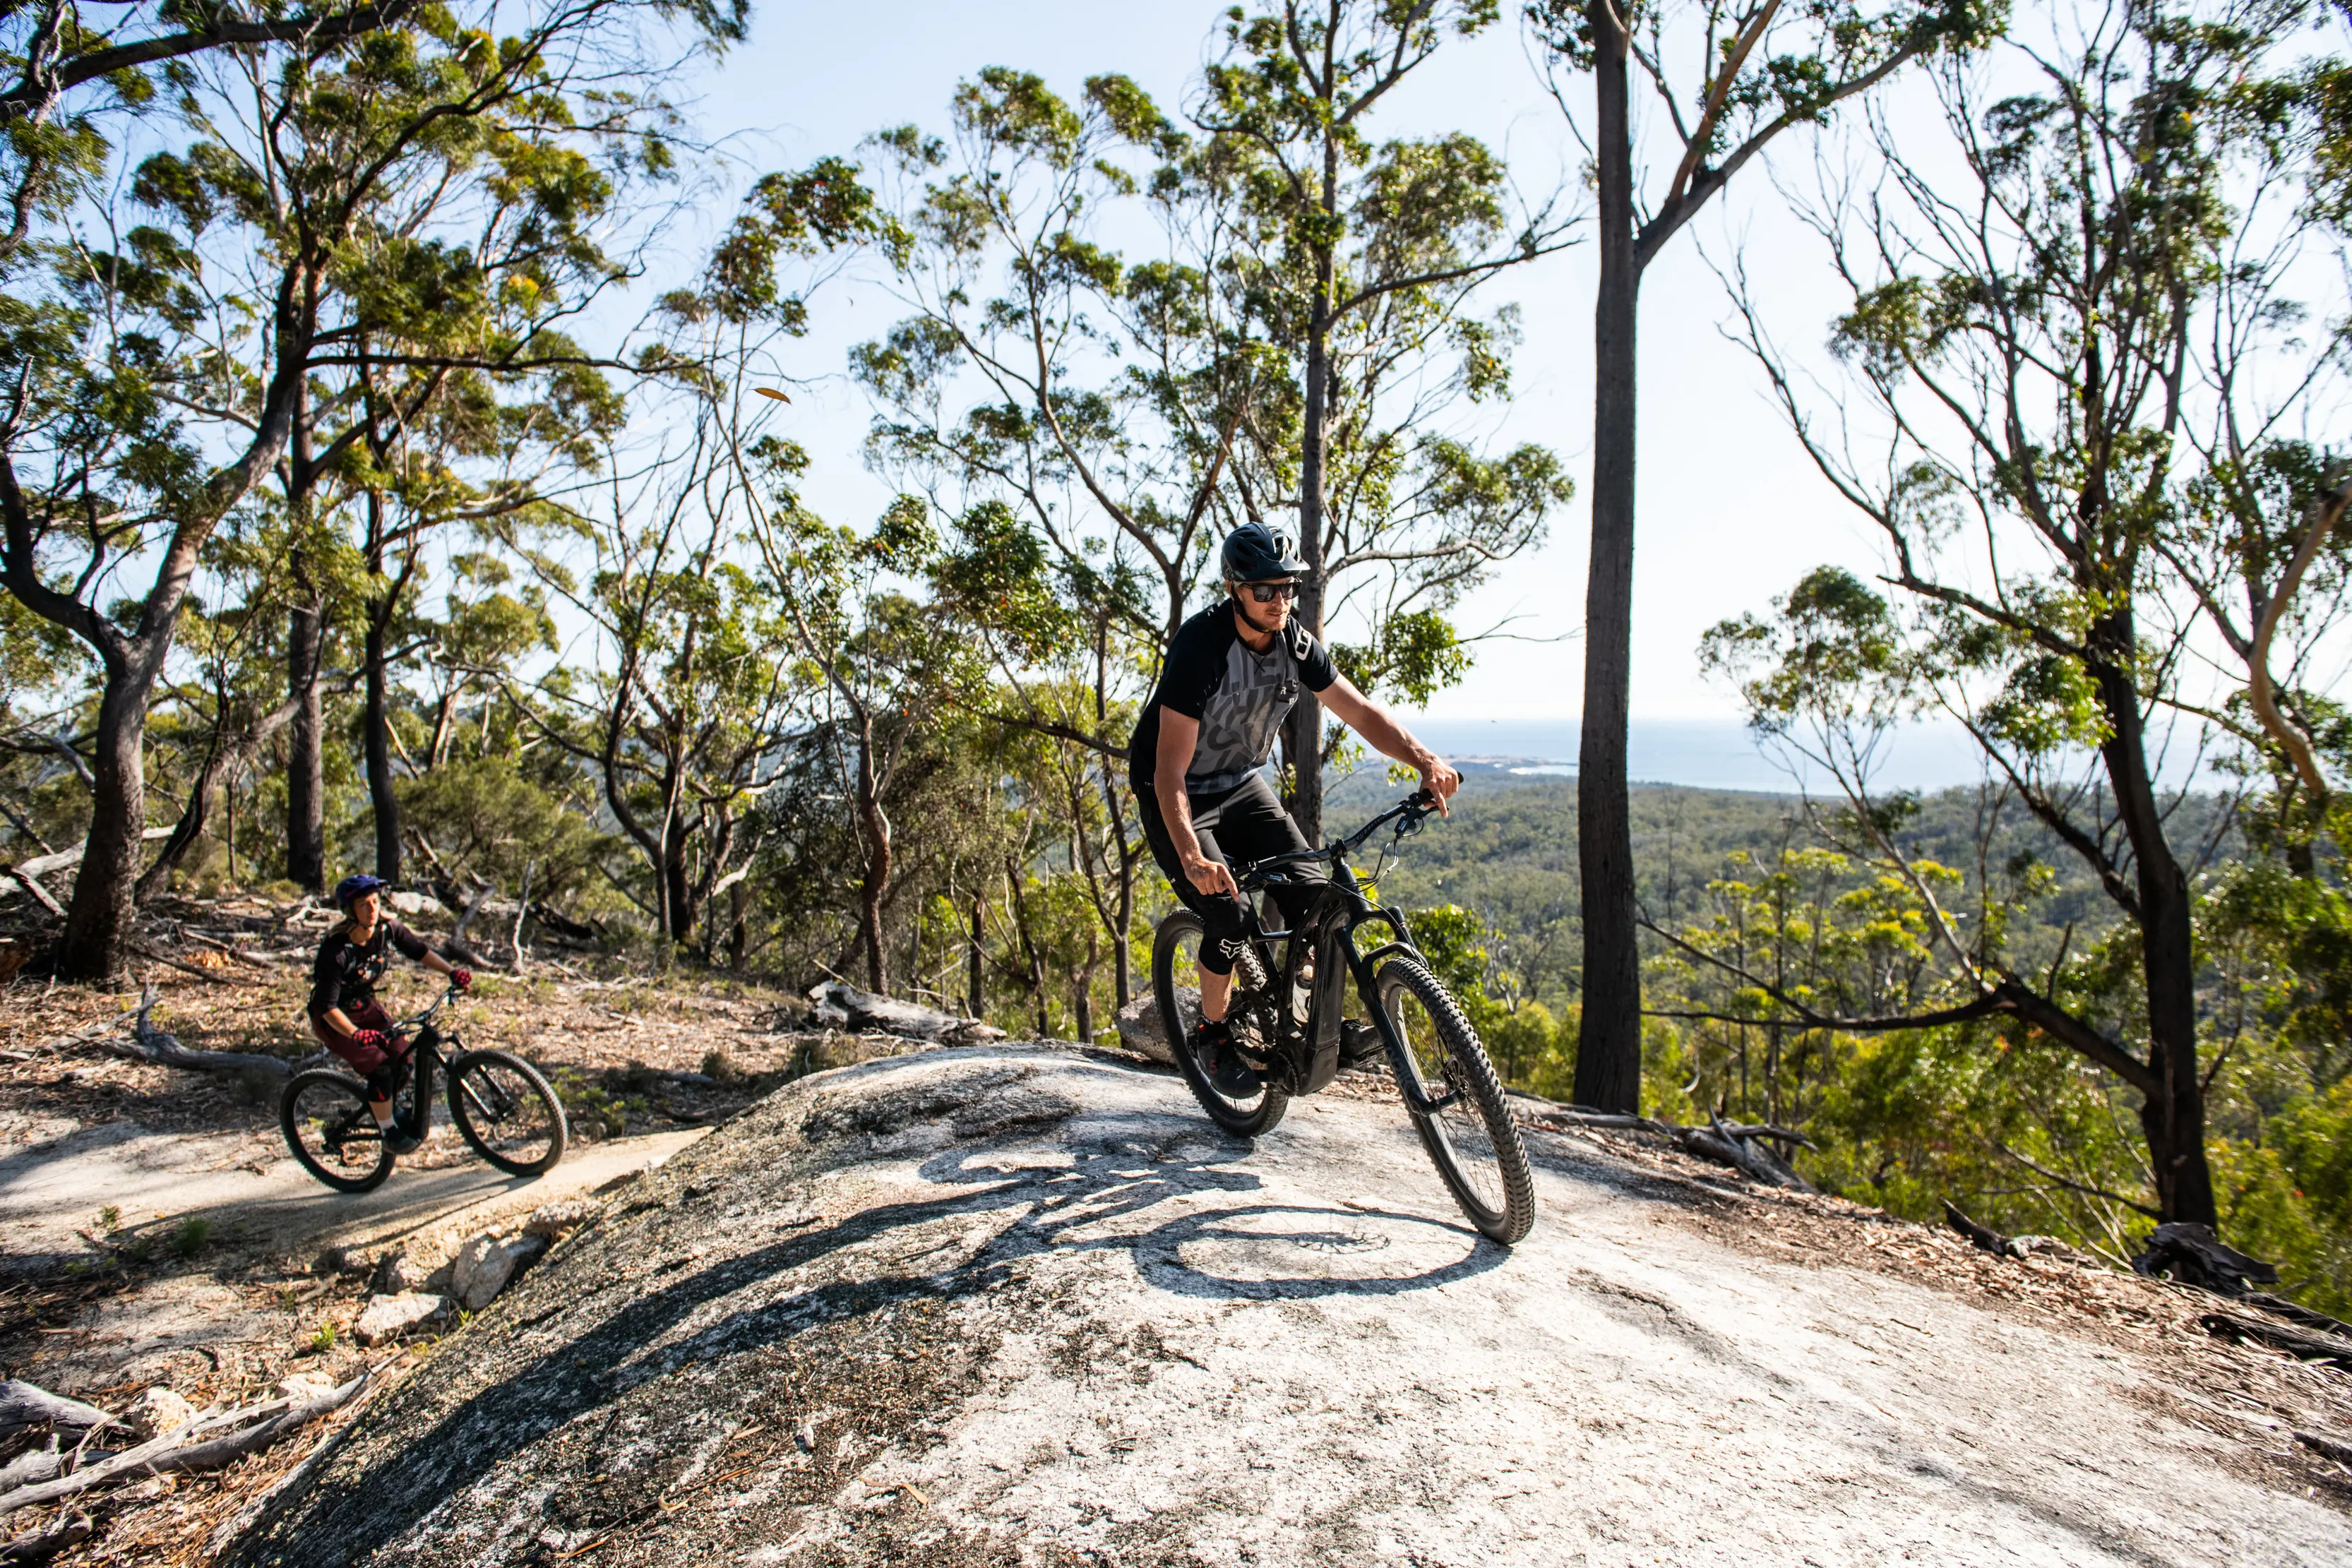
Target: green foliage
191 1237
485 817
593 1110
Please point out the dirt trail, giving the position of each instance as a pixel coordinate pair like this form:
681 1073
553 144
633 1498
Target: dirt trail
254 1194
1015 1305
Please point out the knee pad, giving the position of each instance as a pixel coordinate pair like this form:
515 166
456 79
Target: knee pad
380 1083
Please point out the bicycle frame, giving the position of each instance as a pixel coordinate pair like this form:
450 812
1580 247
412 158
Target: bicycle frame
422 1056
1339 910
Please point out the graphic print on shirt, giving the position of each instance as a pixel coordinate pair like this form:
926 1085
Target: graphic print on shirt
1243 715
1239 698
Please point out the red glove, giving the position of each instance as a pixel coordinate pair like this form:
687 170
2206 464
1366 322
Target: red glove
462 978
372 1040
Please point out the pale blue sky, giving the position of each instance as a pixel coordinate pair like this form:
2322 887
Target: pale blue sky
1730 511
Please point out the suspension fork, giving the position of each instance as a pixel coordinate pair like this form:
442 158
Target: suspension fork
1366 966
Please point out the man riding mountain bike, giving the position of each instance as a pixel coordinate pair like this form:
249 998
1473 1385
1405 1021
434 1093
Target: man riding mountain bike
1231 675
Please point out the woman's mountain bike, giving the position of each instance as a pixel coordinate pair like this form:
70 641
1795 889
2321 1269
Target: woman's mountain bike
1289 1015
499 1103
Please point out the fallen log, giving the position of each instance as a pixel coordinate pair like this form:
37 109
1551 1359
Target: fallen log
147 1043
2294 1312
2327 1448
1718 1143
1738 1144
33 1465
23 1405
846 1007
41 1545
2190 1254
1982 1237
180 1451
2301 1344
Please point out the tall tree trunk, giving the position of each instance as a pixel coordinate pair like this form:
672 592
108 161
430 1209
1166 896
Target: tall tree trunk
306 781
2173 1117
875 827
98 921
677 888
382 801
1302 732
376 720
1122 979
1609 1037
976 961
1028 947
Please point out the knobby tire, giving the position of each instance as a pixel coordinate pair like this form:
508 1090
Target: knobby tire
477 1079
1243 1119
317 1101
1476 1177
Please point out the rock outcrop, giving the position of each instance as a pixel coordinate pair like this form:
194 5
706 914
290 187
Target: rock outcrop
1013 1304
1139 1028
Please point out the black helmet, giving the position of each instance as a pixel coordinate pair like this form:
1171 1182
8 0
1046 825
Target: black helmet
350 887
1255 553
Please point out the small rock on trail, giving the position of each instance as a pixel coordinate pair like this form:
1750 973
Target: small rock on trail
389 1317
1011 1305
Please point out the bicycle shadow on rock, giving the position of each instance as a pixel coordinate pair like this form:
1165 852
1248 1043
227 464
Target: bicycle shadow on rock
1026 1202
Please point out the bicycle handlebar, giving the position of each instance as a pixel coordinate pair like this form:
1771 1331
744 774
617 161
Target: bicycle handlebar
1407 814
447 992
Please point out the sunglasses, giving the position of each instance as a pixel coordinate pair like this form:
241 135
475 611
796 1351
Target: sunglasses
1267 592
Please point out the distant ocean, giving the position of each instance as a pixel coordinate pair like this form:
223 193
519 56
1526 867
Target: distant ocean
1707 754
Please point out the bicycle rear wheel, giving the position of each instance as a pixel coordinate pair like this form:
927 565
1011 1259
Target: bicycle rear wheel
1175 950
325 1117
508 1112
1471 1139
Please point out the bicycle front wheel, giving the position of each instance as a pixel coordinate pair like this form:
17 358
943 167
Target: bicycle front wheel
508 1112
325 1117
1471 1138
1175 950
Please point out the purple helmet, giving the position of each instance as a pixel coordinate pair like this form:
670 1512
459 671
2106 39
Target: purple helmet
350 887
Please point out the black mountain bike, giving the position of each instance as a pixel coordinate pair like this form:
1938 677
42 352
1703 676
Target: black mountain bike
1289 1015
499 1102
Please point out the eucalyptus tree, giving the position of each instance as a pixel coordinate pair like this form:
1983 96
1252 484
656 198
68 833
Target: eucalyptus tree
2033 353
1122 404
160 374
1361 263
689 686
83 71
498 188
1038 368
884 662
1758 70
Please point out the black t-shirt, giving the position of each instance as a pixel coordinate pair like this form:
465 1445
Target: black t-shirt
346 972
1240 698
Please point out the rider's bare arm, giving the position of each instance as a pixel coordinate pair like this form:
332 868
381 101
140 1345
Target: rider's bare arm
340 1022
1178 737
1384 734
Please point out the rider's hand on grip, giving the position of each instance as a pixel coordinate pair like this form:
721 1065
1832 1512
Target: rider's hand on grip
461 979
1212 877
372 1040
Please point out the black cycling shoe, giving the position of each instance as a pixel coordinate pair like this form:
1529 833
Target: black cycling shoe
1229 1075
396 1142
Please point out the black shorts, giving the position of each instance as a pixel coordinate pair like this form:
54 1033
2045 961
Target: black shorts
1243 824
